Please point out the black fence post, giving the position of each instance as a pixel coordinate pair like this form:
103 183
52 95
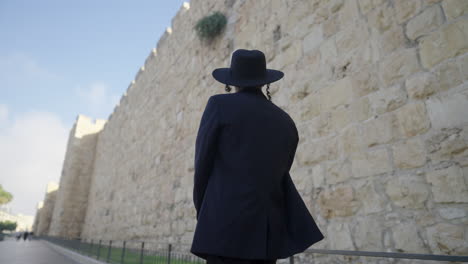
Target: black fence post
169 254
109 250
99 249
123 254
141 252
291 260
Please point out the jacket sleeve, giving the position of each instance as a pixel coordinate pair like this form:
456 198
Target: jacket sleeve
205 150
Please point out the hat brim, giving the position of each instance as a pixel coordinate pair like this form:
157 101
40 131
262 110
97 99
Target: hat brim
223 75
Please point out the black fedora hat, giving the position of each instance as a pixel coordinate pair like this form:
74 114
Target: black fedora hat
248 68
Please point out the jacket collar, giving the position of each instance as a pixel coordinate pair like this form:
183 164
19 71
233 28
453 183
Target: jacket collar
254 91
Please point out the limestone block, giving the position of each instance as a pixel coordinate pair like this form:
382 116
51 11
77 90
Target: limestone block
310 107
398 65
421 85
448 185
351 37
413 119
448 110
448 42
407 238
340 117
382 18
447 144
429 20
455 8
313 39
338 171
367 234
317 151
407 191
448 76
409 153
392 39
318 127
331 27
447 239
349 12
340 236
367 5
387 100
290 54
405 9
360 109
370 163
364 82
372 202
338 93
350 140
380 130
452 212
337 202
463 64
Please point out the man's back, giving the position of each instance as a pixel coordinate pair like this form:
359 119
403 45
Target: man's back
243 191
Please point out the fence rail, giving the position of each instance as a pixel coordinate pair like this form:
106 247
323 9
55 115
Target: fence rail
138 252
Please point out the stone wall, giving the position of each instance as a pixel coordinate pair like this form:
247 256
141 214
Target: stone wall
44 217
35 224
72 197
378 90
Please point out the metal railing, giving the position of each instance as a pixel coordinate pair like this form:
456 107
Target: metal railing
131 252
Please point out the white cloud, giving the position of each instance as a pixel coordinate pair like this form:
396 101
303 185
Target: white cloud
99 101
32 150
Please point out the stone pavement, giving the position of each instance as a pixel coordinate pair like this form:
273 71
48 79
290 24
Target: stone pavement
30 252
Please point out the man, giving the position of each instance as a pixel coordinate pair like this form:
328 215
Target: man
248 209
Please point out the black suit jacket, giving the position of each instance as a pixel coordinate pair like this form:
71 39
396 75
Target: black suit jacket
246 202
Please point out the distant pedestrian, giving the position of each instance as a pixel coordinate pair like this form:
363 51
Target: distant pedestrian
25 236
248 208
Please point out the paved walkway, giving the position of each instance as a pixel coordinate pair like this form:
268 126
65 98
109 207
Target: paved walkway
30 252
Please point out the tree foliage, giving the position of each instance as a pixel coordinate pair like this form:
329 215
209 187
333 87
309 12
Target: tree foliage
5 197
7 225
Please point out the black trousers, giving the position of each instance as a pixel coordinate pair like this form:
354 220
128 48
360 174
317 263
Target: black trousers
226 260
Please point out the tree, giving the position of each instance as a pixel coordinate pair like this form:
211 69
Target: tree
5 197
7 225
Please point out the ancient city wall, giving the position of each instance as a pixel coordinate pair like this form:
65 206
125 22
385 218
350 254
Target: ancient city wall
72 197
378 90
45 213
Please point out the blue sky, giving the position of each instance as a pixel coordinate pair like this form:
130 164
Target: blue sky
59 59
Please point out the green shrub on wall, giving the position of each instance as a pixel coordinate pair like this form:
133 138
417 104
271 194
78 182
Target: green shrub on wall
210 26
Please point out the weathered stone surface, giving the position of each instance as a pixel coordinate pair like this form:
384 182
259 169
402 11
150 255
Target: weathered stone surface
387 100
312 40
409 153
448 144
452 212
350 140
448 110
405 9
448 185
407 238
427 21
408 191
338 202
382 18
413 119
337 94
338 171
367 234
447 239
367 5
380 130
450 41
448 76
398 65
371 200
422 85
341 234
455 8
370 163
360 109
317 151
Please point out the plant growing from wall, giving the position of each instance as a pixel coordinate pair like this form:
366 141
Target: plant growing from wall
211 26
